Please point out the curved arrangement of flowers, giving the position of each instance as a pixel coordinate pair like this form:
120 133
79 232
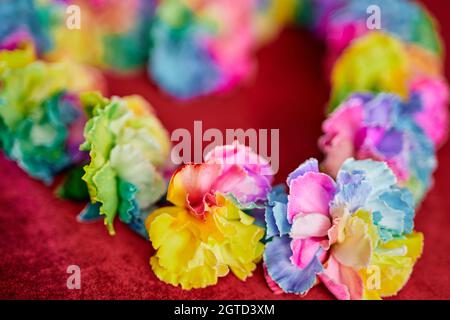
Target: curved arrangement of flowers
209 229
341 231
346 223
128 149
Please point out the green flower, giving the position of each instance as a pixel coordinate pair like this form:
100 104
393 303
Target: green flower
128 149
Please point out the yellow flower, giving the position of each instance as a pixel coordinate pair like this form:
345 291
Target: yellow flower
194 253
391 266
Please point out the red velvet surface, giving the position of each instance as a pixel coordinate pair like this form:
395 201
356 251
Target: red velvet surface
39 236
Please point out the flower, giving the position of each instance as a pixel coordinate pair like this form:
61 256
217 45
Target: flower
433 96
24 21
384 128
128 149
212 42
205 233
390 66
114 33
405 19
339 231
39 113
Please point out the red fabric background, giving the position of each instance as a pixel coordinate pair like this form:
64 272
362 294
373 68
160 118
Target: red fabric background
39 236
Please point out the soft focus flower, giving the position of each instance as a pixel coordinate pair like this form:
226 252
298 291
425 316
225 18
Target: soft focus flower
433 96
271 16
39 114
113 34
381 127
212 41
128 149
24 21
339 231
389 66
205 233
405 19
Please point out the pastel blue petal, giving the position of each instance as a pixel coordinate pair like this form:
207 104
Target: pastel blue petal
393 213
276 213
310 165
353 190
379 176
422 158
288 276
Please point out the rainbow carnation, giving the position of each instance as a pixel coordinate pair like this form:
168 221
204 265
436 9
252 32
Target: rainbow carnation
389 66
405 19
128 149
383 128
113 34
354 234
210 42
25 21
206 232
41 118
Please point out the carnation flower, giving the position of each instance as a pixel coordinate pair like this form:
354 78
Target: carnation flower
205 233
39 113
128 149
389 66
384 128
339 231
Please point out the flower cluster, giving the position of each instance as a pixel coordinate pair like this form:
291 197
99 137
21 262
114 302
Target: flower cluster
340 231
390 66
206 232
128 149
40 115
113 34
25 21
382 127
212 42
343 21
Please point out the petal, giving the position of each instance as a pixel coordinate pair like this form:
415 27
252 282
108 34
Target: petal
276 213
286 275
311 165
310 225
356 249
131 166
378 174
394 212
344 282
193 180
306 250
310 193
246 187
392 265
241 155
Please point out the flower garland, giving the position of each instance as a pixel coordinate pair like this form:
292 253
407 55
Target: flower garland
338 220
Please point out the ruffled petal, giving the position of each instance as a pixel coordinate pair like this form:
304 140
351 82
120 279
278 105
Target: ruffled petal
311 165
310 225
276 213
286 275
192 182
310 193
193 253
344 282
392 266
